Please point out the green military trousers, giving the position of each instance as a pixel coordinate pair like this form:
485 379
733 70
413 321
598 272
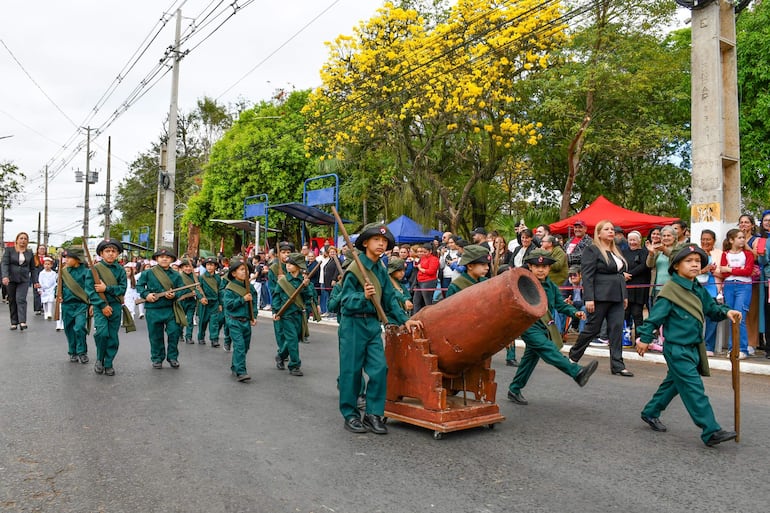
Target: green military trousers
188 305
683 379
209 317
106 331
75 319
291 333
361 349
160 320
240 336
539 346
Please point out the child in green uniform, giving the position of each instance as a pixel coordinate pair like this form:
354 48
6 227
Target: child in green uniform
543 339
476 260
396 270
107 300
188 300
682 306
75 304
162 311
360 334
291 320
276 270
237 299
210 309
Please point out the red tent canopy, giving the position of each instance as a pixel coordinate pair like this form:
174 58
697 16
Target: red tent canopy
602 208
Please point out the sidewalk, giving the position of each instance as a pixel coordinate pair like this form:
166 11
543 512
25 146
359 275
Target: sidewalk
752 365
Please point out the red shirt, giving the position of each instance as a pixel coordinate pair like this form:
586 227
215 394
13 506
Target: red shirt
430 264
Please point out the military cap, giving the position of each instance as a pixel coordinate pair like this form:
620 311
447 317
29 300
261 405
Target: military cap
540 257
503 268
683 251
185 261
396 264
211 260
169 252
371 230
475 254
76 253
574 269
235 263
286 246
297 259
479 230
107 243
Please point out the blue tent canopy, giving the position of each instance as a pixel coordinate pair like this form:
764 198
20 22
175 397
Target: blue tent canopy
408 230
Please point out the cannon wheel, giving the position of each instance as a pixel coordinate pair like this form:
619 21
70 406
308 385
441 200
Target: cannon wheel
491 426
438 435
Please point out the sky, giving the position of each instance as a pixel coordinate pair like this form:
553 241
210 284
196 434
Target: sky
58 59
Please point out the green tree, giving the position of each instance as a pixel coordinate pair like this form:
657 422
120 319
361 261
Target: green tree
11 186
263 153
753 35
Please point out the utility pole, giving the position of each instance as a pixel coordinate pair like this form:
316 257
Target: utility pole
168 183
716 171
45 210
107 193
89 179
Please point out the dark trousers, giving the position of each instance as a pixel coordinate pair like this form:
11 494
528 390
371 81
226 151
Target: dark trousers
612 311
17 301
635 312
424 296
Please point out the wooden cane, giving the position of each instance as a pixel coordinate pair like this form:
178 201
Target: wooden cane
374 299
736 373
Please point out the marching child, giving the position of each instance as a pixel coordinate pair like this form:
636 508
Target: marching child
75 306
106 298
163 312
360 333
543 339
188 299
47 280
210 307
476 260
292 319
682 306
396 270
276 270
237 301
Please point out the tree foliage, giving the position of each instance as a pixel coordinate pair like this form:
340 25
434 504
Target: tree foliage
11 183
753 34
263 153
440 98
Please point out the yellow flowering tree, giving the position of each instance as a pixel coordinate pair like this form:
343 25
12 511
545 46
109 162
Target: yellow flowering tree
436 101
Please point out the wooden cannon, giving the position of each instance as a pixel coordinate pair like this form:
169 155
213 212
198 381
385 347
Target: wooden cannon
431 377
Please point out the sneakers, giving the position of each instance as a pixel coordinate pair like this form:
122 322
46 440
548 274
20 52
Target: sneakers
600 342
751 350
74 358
202 342
174 364
157 365
243 378
296 371
188 341
83 358
656 347
279 363
99 367
227 347
709 353
512 363
109 371
742 355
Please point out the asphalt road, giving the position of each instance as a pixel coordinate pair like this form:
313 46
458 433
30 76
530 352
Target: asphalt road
194 440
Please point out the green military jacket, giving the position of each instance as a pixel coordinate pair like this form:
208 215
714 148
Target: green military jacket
148 283
113 292
555 302
82 276
462 282
353 302
681 327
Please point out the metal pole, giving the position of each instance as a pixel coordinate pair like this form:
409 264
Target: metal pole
45 210
107 192
168 235
88 181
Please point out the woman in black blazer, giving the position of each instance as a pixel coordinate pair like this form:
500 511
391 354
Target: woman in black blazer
605 296
16 268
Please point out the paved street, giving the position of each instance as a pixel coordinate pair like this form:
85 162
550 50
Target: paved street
194 440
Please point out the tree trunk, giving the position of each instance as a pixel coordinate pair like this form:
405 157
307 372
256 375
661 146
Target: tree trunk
193 239
573 157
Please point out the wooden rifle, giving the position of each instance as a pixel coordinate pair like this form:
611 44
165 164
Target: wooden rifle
57 311
296 292
184 287
94 272
374 299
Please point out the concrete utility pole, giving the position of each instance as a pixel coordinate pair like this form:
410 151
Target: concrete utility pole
45 211
168 183
107 192
89 179
716 171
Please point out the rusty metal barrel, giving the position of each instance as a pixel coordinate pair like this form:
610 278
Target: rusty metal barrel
472 325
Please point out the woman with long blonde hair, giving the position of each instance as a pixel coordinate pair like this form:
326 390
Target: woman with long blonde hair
605 296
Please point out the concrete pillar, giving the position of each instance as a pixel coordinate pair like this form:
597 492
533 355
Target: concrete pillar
716 172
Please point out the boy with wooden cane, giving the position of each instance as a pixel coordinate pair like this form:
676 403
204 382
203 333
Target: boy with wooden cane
291 319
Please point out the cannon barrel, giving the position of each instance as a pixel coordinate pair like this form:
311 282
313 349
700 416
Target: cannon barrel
470 326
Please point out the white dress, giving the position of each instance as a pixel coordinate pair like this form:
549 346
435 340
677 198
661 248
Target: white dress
47 290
